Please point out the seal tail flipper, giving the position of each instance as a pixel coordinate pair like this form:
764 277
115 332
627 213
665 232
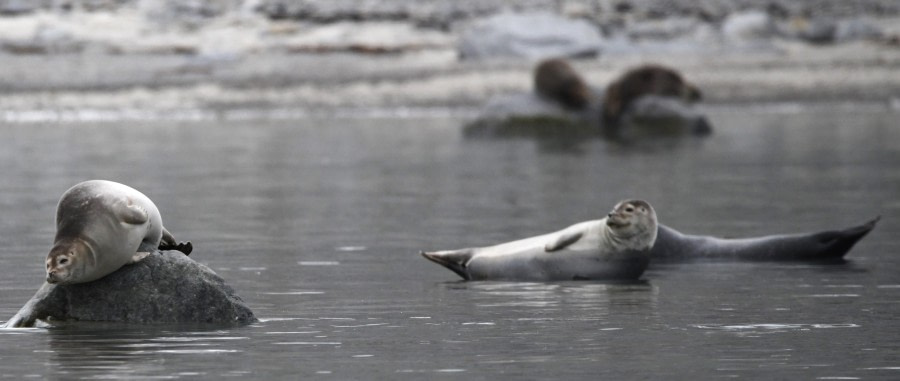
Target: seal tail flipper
842 241
454 260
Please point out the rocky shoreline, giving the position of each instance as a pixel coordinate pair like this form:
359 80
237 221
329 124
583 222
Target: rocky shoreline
269 54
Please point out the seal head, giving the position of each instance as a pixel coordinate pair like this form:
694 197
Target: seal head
632 225
68 261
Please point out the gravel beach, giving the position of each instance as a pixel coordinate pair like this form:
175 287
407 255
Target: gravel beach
226 55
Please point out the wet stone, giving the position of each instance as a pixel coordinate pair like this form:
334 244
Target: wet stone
165 287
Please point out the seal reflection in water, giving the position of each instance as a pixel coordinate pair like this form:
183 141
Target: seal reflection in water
613 248
102 226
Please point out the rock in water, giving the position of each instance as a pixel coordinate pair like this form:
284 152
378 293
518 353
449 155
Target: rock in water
162 288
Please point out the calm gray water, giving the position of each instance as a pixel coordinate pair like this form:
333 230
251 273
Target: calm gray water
317 224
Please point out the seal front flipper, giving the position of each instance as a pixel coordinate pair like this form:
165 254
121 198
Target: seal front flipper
130 213
137 257
36 308
564 240
168 243
455 260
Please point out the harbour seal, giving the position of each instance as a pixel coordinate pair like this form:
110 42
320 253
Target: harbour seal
612 248
101 226
822 246
649 79
556 80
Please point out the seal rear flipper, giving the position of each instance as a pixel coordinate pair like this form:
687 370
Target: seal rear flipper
838 243
454 260
185 247
168 243
167 239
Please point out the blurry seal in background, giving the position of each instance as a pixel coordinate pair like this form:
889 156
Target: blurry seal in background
556 80
647 102
612 248
653 95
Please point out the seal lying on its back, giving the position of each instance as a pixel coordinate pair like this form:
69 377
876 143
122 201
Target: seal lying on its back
613 248
102 226
829 245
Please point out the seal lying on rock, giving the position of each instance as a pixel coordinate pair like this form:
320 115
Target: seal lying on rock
612 248
99 227
649 79
652 95
556 80
648 101
162 288
823 246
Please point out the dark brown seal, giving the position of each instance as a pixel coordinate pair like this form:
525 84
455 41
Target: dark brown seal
556 80
650 79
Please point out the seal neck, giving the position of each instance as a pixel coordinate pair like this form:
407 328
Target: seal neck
641 241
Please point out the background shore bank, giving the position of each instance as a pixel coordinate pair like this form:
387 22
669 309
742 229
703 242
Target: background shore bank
148 55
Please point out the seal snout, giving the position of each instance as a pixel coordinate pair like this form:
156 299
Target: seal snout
616 219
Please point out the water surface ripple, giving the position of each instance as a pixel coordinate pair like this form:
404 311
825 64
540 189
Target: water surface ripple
317 223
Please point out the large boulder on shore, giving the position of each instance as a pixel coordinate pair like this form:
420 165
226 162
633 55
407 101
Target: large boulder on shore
165 287
532 35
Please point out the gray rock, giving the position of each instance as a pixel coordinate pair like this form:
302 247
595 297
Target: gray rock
165 287
826 30
665 29
654 115
17 7
816 31
856 29
530 104
46 40
748 26
190 14
533 35
527 114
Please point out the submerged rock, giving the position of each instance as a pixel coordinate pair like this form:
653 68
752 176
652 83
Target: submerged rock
165 287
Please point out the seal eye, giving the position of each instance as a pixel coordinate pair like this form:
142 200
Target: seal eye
629 209
64 261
